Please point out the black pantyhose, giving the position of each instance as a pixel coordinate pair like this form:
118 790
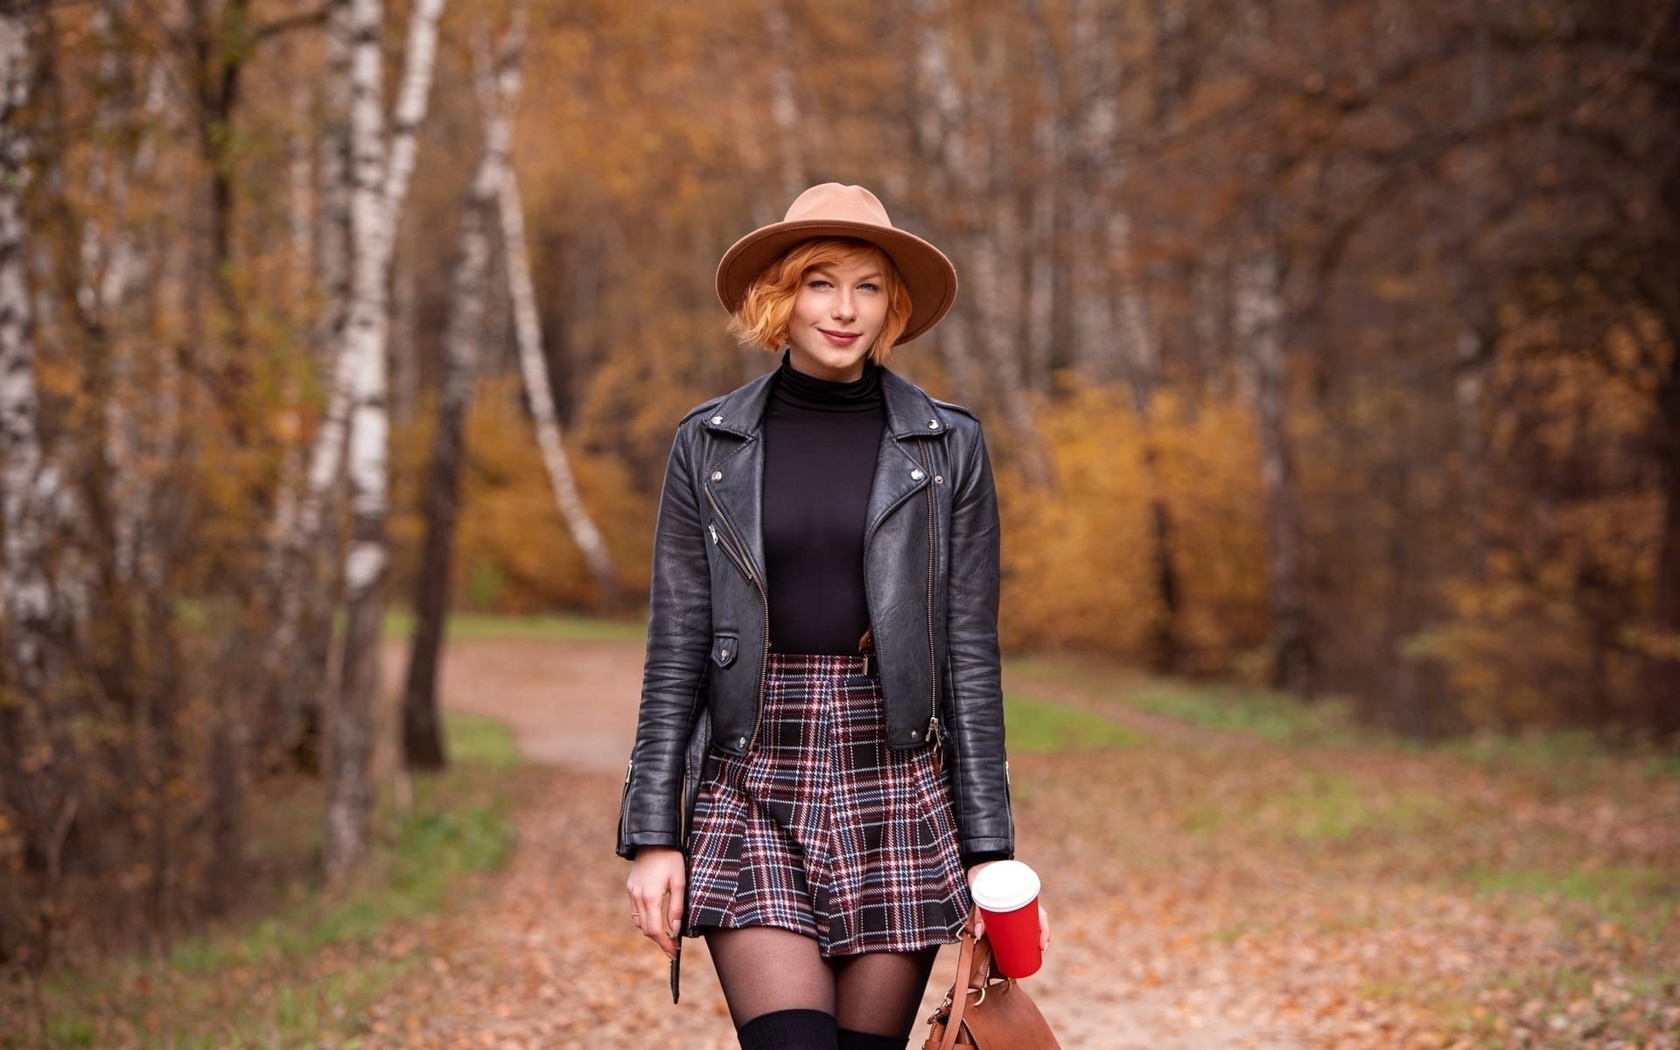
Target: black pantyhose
766 971
763 970
880 993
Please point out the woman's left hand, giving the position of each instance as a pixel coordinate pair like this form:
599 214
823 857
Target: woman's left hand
980 923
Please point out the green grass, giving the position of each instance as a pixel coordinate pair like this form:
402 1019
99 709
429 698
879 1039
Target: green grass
1616 886
300 975
1033 726
1272 716
1320 807
478 626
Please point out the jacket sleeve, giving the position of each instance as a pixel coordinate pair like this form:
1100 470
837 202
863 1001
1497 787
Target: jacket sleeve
674 675
980 764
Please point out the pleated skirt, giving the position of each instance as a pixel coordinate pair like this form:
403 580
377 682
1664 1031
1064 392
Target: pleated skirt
824 830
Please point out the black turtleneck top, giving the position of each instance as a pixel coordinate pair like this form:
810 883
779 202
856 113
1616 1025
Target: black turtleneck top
821 440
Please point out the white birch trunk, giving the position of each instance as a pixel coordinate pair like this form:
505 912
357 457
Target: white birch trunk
1096 346
991 251
784 99
298 533
379 184
24 482
28 722
534 368
111 265
1259 330
498 87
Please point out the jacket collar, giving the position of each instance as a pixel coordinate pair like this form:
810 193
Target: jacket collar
910 413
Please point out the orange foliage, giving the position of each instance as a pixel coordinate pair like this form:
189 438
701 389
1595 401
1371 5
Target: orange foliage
1094 536
513 553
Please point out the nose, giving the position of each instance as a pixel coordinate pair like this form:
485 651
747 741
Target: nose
843 308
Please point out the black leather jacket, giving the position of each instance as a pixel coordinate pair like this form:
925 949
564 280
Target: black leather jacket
930 577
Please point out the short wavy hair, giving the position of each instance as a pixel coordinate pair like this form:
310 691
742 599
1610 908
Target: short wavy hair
762 318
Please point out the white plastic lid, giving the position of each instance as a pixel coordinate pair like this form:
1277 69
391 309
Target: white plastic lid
1005 886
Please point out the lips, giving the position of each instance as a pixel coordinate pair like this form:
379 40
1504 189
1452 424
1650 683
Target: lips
840 338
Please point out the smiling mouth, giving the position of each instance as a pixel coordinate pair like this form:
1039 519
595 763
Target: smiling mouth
840 338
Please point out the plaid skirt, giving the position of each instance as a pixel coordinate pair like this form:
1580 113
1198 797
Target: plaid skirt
822 829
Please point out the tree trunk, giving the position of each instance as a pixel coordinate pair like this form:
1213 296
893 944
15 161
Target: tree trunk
298 587
784 99
24 584
423 744
539 395
1259 324
379 184
964 180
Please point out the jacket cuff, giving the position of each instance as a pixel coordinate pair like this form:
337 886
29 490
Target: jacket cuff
628 845
969 860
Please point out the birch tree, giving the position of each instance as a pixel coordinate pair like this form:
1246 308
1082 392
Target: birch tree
26 481
498 90
1259 330
298 648
380 172
533 367
967 156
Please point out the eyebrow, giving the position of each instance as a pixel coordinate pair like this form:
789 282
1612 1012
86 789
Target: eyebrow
822 268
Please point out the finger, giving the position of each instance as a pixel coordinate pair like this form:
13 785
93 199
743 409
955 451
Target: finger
644 912
1043 928
674 913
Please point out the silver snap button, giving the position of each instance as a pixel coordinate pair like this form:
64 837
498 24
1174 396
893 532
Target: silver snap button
933 424
723 654
716 420
939 479
742 742
915 734
916 475
717 475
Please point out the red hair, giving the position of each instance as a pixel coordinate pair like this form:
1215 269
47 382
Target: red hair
762 318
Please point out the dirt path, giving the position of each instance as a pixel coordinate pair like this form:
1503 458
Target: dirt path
545 957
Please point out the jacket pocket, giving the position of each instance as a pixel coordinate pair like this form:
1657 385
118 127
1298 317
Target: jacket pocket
726 646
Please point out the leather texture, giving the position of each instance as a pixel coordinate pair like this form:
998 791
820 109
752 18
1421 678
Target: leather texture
931 577
992 1013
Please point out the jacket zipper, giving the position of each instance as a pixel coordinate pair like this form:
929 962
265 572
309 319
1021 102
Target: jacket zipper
933 666
737 555
629 769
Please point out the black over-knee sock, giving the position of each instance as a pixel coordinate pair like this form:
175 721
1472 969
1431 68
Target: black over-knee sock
789 1030
850 1040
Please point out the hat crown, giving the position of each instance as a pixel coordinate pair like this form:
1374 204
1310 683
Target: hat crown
836 201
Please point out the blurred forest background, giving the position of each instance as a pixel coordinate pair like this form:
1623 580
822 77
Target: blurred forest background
1330 345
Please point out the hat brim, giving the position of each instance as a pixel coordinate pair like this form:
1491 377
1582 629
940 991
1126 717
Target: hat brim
927 273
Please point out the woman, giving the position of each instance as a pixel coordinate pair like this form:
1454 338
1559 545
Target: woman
819 755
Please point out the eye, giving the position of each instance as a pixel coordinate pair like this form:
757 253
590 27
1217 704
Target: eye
870 286
817 283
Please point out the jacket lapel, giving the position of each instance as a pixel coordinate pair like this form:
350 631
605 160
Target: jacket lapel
911 418
734 467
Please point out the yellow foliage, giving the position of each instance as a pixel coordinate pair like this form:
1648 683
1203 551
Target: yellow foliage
1081 562
513 552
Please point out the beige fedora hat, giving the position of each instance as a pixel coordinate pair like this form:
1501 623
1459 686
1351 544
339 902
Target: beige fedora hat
836 210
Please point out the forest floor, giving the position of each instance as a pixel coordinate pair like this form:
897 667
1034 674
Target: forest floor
1220 873
1223 869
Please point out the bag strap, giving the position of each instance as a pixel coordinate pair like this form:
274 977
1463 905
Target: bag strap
974 967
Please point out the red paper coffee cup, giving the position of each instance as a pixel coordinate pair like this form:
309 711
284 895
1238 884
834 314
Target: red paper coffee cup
1007 895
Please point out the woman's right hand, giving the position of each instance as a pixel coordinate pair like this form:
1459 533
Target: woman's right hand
658 879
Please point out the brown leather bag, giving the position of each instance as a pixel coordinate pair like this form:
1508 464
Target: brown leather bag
985 1010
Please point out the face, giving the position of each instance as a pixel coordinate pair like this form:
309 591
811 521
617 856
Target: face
837 313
